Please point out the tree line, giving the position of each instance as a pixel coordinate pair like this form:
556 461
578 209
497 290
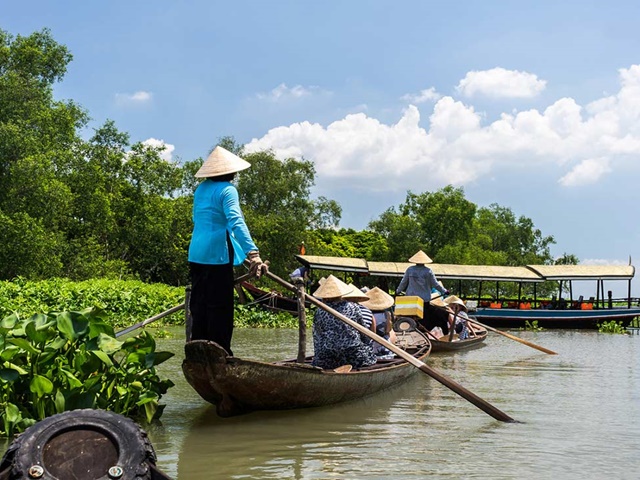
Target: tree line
112 208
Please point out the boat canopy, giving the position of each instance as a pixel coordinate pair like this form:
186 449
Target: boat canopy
584 272
530 273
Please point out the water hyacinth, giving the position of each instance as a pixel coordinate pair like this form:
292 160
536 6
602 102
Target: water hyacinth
50 363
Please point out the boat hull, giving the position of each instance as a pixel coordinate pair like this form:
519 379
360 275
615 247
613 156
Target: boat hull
507 317
236 386
447 346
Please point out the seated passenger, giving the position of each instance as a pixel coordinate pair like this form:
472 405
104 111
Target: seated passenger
301 275
459 308
380 303
356 296
334 342
437 314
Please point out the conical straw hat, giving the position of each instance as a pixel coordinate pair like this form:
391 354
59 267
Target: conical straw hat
453 299
436 299
221 162
332 287
378 300
356 295
420 257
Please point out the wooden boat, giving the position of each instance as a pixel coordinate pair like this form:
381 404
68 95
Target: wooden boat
444 344
502 312
236 386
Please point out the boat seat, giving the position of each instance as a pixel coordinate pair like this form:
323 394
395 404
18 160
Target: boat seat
343 369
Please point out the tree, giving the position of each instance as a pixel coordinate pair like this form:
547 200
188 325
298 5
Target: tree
452 229
426 221
31 121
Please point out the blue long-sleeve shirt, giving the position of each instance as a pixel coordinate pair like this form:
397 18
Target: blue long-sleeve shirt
216 212
419 280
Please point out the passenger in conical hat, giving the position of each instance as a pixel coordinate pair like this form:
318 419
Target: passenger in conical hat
378 300
219 241
380 303
461 319
357 296
335 343
332 289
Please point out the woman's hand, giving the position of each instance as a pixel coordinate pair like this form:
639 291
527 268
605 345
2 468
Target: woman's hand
256 266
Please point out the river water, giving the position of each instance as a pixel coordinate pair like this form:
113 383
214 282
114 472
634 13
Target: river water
580 414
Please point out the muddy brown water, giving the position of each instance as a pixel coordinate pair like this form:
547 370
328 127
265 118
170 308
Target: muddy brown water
580 412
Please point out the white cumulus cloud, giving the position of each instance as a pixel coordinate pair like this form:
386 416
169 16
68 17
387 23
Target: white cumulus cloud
500 82
457 145
423 96
586 172
282 92
137 98
167 148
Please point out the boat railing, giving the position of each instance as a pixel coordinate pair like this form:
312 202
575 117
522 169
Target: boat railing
553 304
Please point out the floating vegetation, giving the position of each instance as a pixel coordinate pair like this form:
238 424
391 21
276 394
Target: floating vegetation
612 327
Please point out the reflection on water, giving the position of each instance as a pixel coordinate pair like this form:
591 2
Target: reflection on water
580 409
581 414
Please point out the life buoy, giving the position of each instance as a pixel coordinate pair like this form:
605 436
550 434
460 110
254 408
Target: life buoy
81 444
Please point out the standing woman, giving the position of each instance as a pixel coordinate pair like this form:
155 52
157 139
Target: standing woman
220 240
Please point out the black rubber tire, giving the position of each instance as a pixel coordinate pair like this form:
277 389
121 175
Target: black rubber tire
404 324
129 445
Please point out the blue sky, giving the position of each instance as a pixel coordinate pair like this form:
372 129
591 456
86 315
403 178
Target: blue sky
534 105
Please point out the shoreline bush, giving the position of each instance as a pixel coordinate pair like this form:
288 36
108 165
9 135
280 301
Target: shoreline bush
125 302
52 363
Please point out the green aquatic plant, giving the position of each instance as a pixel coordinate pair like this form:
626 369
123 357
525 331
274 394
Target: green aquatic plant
161 333
532 326
51 363
612 327
256 317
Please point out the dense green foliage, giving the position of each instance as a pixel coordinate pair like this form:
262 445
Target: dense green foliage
64 361
123 302
126 302
107 207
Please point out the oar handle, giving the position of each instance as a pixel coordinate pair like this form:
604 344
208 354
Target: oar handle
457 388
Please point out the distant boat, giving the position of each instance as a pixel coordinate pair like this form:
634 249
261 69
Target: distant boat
447 344
561 313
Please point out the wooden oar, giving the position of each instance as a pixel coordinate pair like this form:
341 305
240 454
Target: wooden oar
447 382
513 337
150 319
175 309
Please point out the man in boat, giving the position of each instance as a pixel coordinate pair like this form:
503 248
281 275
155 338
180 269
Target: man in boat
419 280
335 343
